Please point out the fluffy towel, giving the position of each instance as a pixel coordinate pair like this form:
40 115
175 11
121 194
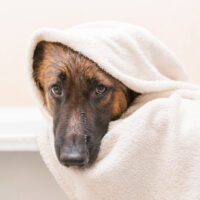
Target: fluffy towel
153 151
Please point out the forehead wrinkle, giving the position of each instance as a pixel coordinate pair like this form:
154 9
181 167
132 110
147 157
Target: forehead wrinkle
70 59
92 73
54 71
103 78
55 54
47 81
60 67
53 59
51 74
89 70
78 60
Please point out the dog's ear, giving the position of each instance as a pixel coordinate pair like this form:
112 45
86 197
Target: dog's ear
38 57
132 95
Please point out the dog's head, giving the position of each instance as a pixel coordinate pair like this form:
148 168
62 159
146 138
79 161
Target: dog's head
82 99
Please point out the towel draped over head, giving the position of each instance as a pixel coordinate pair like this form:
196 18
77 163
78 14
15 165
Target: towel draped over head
153 150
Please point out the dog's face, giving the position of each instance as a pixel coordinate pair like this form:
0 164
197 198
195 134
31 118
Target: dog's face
81 98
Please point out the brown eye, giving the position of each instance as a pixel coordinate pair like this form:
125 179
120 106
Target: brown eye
100 89
56 90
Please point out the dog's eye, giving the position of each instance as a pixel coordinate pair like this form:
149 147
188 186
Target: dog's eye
100 89
56 90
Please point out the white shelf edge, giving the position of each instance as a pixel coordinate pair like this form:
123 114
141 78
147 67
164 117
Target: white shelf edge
13 142
18 128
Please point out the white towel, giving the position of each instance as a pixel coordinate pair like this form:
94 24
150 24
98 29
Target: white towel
153 151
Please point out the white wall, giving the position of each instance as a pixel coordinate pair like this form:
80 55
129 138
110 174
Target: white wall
175 22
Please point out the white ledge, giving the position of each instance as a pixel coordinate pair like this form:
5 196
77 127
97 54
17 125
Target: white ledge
18 128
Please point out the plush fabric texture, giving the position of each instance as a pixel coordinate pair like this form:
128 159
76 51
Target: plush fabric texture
153 151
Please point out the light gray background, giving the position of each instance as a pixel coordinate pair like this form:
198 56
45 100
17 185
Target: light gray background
23 176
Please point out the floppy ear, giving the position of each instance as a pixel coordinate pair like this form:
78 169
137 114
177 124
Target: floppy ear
38 57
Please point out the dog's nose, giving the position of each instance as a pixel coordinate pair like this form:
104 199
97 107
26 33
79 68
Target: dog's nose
73 157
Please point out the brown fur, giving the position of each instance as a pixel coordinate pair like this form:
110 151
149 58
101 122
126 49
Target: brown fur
57 59
81 116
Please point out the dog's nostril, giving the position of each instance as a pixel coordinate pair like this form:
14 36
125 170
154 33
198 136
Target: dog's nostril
73 158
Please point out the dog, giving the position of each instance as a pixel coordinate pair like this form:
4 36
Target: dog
81 98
